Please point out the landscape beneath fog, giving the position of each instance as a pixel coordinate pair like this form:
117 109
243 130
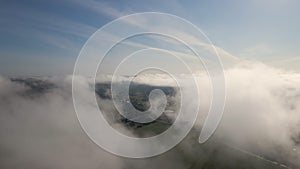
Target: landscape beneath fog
260 127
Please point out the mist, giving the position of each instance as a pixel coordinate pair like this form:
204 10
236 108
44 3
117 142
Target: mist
262 117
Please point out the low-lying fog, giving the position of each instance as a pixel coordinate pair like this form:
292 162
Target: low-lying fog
260 127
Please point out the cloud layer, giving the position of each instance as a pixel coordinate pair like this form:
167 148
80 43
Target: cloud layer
40 130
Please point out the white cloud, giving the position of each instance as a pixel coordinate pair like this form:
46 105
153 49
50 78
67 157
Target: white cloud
261 115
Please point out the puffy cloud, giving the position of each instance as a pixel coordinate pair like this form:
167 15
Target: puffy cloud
262 111
261 116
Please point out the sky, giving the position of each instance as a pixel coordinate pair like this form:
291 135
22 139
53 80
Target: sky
44 38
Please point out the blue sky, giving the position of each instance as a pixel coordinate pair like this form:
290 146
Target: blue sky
45 37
